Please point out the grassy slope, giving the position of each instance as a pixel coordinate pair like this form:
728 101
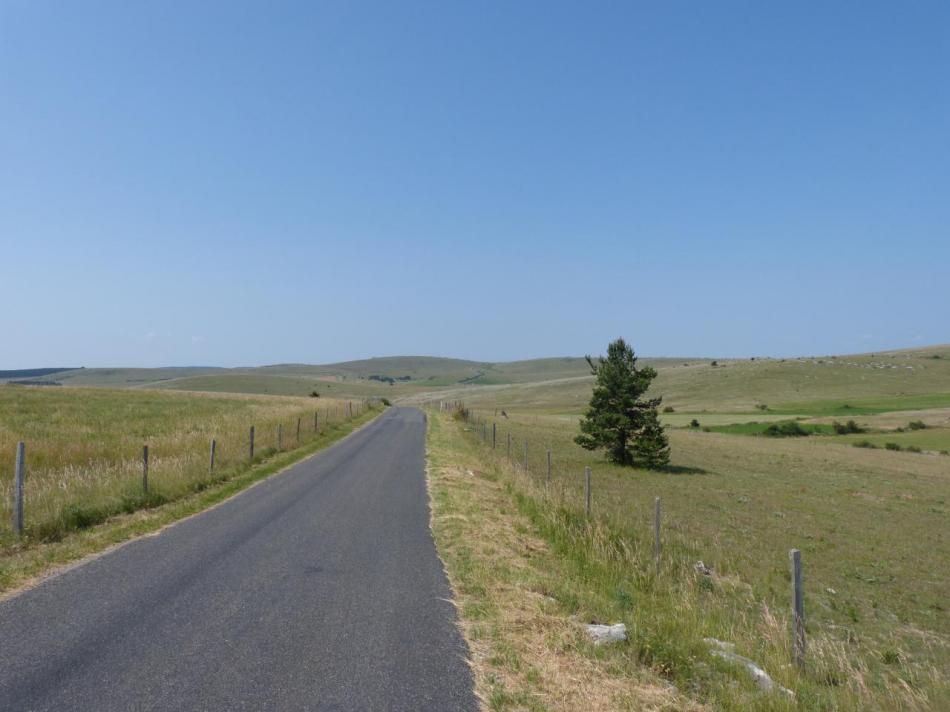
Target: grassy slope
124 377
867 383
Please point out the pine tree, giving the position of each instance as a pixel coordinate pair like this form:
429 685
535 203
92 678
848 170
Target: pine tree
618 419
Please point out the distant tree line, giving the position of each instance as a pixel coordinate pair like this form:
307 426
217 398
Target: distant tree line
389 379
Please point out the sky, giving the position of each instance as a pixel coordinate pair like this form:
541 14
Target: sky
242 183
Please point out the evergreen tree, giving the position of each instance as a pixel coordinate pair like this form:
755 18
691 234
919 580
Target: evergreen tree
618 419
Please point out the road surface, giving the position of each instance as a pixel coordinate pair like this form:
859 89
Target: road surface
318 589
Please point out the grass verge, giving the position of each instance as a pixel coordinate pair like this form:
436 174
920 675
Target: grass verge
519 599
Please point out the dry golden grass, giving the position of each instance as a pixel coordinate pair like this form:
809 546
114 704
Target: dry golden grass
84 448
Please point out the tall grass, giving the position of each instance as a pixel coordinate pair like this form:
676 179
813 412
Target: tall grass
84 448
871 646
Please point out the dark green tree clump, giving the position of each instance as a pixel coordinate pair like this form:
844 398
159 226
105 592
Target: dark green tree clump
619 420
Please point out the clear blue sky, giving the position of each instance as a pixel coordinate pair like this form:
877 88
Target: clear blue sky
241 183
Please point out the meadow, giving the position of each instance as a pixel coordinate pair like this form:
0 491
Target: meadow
871 524
84 448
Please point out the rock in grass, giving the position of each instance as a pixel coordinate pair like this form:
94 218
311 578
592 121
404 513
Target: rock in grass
703 570
726 651
602 634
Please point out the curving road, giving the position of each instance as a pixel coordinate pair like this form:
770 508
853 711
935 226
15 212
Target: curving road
318 589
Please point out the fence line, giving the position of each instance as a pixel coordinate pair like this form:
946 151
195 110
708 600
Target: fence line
20 483
797 597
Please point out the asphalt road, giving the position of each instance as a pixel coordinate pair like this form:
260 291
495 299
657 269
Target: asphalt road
318 589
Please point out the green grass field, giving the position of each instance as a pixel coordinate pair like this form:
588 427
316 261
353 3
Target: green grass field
871 523
84 448
868 522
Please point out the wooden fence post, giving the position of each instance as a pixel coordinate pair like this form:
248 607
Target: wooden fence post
280 432
547 479
587 490
798 608
145 469
298 431
657 513
18 484
252 443
214 446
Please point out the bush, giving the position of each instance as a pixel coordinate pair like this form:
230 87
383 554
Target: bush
917 425
694 423
714 363
762 406
893 446
314 394
913 448
945 452
847 428
669 409
385 402
786 429
865 443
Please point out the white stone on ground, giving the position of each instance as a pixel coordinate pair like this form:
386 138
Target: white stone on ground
601 634
726 651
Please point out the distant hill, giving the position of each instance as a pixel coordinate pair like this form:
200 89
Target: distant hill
558 383
32 373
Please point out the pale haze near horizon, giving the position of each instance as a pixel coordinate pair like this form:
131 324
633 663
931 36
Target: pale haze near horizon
241 184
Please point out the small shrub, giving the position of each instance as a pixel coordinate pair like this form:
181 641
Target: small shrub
865 443
762 406
714 363
945 452
786 429
917 425
694 423
385 402
314 394
936 356
890 657
913 448
669 409
893 446
847 428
